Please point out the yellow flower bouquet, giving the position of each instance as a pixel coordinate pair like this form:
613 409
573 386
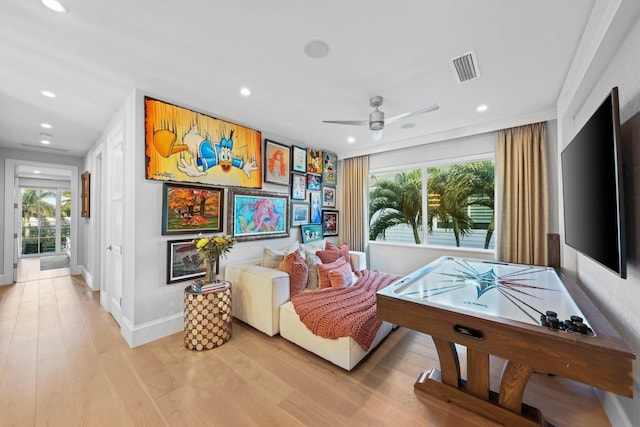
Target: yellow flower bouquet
211 248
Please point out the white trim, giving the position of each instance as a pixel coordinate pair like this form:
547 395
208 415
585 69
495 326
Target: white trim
490 155
612 407
151 331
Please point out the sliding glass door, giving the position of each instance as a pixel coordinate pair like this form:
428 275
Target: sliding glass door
46 221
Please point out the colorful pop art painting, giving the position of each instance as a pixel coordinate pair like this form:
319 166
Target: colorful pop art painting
186 146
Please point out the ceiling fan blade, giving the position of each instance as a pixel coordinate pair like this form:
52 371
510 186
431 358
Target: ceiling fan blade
376 135
412 113
348 122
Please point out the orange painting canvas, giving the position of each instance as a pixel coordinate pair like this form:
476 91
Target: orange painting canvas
186 146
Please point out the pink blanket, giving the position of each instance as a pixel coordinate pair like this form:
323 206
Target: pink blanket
351 311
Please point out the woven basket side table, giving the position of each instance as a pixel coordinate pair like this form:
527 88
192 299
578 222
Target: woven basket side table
207 318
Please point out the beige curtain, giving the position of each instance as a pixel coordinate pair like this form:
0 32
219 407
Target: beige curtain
353 215
523 194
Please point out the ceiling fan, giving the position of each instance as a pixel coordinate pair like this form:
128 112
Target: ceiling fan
377 121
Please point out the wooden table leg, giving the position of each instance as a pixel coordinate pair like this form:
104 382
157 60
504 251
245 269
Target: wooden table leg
449 362
513 381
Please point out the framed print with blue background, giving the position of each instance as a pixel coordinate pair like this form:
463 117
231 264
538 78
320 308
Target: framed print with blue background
298 159
257 215
299 213
298 186
315 200
329 169
311 233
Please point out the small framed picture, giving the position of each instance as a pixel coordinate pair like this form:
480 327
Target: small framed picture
298 159
330 222
314 161
299 213
329 169
311 233
298 186
328 197
315 213
276 162
183 261
314 182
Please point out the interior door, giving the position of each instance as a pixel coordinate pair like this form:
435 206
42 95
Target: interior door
115 224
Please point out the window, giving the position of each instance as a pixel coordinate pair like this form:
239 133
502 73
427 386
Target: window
458 200
46 226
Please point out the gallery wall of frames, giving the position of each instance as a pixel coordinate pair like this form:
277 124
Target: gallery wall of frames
212 173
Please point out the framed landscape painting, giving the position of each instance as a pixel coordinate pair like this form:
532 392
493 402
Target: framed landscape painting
188 209
257 215
330 222
186 146
183 261
276 162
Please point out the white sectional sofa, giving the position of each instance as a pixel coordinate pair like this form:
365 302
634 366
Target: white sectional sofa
261 298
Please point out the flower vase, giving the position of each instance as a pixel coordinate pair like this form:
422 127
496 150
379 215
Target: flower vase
210 275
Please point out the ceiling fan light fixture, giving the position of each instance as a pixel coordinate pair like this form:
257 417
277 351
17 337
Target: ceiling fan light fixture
376 120
55 5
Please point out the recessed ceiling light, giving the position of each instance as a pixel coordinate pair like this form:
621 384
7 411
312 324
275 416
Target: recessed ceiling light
54 5
36 171
482 108
45 141
245 91
408 125
48 94
351 140
317 49
46 125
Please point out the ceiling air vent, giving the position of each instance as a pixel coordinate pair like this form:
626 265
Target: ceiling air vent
466 67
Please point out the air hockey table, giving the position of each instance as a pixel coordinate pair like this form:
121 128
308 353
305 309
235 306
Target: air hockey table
534 317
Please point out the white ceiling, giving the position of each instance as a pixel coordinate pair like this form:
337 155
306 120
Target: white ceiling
198 53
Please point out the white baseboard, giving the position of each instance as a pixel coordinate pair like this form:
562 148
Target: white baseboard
137 335
87 276
614 410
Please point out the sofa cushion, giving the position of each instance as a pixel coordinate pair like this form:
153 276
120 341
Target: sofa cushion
324 269
312 263
341 277
313 247
271 258
295 266
333 252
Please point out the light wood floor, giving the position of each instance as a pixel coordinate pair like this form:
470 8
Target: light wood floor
63 362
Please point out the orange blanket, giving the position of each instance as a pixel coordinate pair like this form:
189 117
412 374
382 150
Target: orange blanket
351 311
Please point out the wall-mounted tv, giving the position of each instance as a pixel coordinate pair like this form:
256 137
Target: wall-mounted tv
592 183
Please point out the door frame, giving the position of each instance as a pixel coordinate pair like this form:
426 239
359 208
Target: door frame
10 261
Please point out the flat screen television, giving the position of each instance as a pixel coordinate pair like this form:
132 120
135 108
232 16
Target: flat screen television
592 184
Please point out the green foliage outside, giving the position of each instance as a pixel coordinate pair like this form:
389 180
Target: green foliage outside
451 191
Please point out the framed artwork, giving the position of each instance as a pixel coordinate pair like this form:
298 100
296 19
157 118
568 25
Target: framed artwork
328 197
329 169
257 215
314 182
298 159
314 161
183 261
315 201
85 194
299 213
330 222
188 209
186 146
311 233
298 186
277 159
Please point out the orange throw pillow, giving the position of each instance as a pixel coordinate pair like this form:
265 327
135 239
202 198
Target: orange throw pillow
333 252
341 277
324 269
296 267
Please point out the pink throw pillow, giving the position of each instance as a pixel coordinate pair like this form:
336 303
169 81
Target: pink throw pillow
341 277
324 269
333 252
296 267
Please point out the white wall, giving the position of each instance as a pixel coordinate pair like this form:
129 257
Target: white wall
616 298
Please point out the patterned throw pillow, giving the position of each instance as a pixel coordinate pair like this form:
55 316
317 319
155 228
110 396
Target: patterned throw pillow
296 267
271 258
312 263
